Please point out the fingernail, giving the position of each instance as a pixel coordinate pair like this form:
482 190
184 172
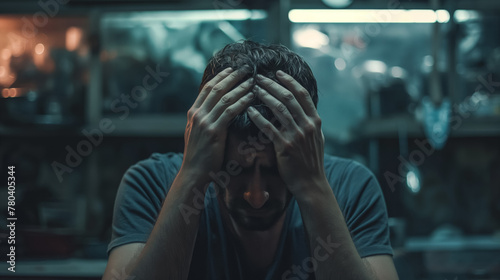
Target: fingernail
250 109
250 80
260 89
260 77
250 93
229 69
280 73
256 89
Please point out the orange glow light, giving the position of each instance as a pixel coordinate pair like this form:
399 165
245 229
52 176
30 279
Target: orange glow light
18 48
73 38
40 55
13 92
5 93
39 48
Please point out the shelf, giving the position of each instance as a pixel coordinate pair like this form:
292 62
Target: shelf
393 126
423 244
133 126
40 131
478 128
388 128
174 126
57 268
146 126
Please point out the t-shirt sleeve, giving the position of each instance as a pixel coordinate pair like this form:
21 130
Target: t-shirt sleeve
364 210
139 198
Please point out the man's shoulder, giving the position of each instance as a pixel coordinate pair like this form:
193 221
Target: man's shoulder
158 166
339 165
169 160
346 173
153 175
336 160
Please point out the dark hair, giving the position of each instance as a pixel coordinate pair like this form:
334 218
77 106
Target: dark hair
265 60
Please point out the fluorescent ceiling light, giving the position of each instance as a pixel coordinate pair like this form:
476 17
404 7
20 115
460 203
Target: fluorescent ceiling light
368 16
195 15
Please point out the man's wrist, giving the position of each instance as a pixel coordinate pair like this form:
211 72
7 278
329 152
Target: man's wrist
311 190
197 179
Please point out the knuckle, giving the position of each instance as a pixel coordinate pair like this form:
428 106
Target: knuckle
288 145
280 107
217 88
195 118
203 124
303 92
301 136
211 130
288 96
208 86
267 128
285 122
230 111
309 127
298 138
225 99
317 121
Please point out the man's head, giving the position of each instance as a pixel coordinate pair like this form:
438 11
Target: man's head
265 60
256 196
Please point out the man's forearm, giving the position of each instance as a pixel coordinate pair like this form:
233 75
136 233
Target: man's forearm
168 251
332 248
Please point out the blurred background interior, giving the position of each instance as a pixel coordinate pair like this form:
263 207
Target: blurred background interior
411 89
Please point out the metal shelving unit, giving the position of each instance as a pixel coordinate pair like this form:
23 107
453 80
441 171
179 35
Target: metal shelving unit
150 126
391 127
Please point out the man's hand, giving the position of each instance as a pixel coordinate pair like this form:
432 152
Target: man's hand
208 119
299 142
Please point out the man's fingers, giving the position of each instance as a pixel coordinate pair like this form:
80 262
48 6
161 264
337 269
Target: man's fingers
302 95
283 95
279 109
230 98
264 125
209 85
232 111
222 87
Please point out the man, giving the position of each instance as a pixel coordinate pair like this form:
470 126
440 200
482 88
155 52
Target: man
253 196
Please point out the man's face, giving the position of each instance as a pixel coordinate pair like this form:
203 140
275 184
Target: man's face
256 197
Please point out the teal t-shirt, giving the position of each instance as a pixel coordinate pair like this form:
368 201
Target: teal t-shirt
145 185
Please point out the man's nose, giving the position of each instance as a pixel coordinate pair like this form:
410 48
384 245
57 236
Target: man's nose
255 194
